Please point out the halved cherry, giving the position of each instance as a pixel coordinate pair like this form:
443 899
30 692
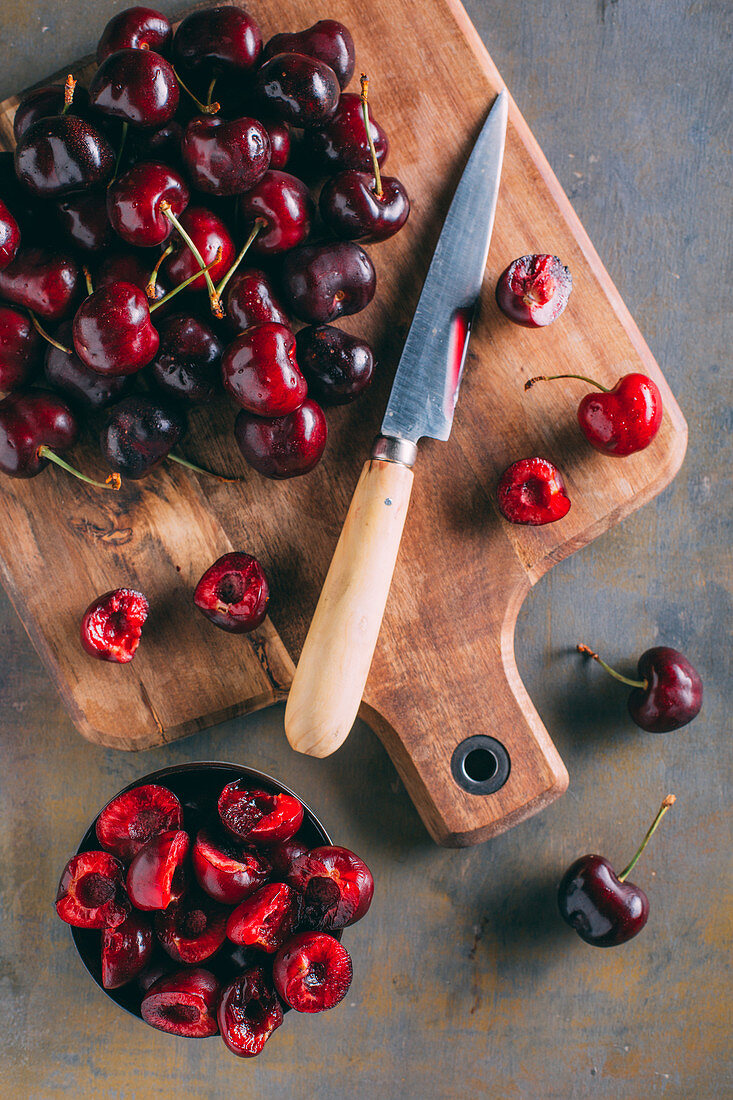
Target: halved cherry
91 892
336 885
156 876
183 1003
249 1012
312 972
227 874
135 817
266 919
233 593
112 625
283 855
126 950
192 929
258 817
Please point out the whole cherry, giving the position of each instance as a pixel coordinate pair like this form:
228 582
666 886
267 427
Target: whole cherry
534 290
187 364
82 220
137 86
260 371
44 281
136 28
284 205
9 236
327 40
21 349
210 235
112 330
341 142
139 434
49 101
225 157
217 40
250 299
249 1012
285 447
298 89
327 281
59 155
532 491
279 135
603 908
138 202
65 373
337 366
233 593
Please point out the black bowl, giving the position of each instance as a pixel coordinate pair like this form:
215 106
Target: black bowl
197 785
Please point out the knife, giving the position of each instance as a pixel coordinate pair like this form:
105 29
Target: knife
334 665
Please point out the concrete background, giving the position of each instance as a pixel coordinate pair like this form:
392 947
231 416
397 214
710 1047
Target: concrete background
466 982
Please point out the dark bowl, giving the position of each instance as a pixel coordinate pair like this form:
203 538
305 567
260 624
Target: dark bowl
196 785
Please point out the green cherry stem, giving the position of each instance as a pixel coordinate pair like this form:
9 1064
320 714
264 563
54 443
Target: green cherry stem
42 332
113 482
378 189
200 470
192 278
553 377
259 224
88 280
152 284
588 652
205 108
669 801
216 309
68 93
210 92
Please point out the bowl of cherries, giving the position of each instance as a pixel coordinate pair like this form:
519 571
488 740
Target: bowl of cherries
207 899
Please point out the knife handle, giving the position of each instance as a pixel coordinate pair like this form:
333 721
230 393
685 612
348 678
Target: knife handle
334 665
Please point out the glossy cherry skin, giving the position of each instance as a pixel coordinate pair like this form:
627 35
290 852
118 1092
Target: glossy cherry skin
126 951
83 221
139 434
250 300
137 29
47 102
298 89
21 349
192 929
233 593
91 893
225 872
187 365
128 267
266 919
183 1003
162 145
624 420
279 135
286 447
9 236
60 155
337 366
248 1013
602 910
134 199
312 972
254 816
532 492
260 371
218 40
155 876
111 627
534 290
132 818
323 282
225 157
30 212
113 333
352 210
137 86
209 233
327 40
337 886
284 203
673 695
44 281
29 421
78 383
341 142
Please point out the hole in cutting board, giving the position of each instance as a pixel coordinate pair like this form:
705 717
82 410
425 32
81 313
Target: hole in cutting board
480 765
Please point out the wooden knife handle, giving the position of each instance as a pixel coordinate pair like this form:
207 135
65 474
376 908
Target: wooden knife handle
337 654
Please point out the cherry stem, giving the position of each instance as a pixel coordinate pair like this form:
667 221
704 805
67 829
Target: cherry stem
378 189
118 161
88 280
205 108
210 92
200 470
216 309
113 482
68 93
552 377
588 652
152 284
192 278
669 801
259 224
42 332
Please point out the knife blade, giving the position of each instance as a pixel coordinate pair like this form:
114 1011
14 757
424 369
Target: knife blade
334 664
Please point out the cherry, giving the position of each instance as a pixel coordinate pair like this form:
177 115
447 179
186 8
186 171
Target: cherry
58 155
41 280
233 593
341 142
668 693
112 625
136 203
209 234
140 433
337 366
47 102
156 877
250 300
91 892
130 820
285 447
279 135
137 86
284 854
602 907
532 492
323 282
187 364
312 972
126 951
327 40
225 873
66 374
534 290
260 371
30 212
266 919
218 40
298 89
135 28
225 157
83 221
21 349
249 1012
284 204
9 236
192 929
183 1003
127 267
162 145
255 816
113 333
336 885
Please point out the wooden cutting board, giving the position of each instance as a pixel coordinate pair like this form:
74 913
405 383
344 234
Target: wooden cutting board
444 668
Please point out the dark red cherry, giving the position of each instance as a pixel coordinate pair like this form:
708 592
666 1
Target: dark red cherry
249 1011
91 893
113 333
134 203
233 593
260 371
137 29
284 204
532 491
255 816
534 290
162 145
218 40
9 236
137 86
327 40
44 281
192 929
298 89
21 349
47 102
209 233
30 423
225 157
341 142
111 627
139 434
64 372
323 282
312 972
286 447
83 221
226 872
352 207
336 885
127 267
279 135
183 1003
30 212
59 155
337 366
126 950
156 876
187 365
250 300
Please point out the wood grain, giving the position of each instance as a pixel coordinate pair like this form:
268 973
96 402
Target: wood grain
444 666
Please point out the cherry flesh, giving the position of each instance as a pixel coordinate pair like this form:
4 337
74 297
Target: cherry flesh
351 207
21 349
225 157
534 290
43 281
113 333
65 373
284 204
183 1003
336 885
218 40
324 282
9 236
134 203
187 365
59 155
249 1012
226 873
260 371
266 919
285 447
532 491
254 816
156 876
82 220
209 233
137 86
192 929
233 593
91 893
603 908
48 102
139 434
341 144
133 818
111 626
250 300
126 951
327 40
312 972
135 28
298 89
337 366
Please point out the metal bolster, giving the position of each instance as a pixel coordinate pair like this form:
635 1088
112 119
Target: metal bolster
386 448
